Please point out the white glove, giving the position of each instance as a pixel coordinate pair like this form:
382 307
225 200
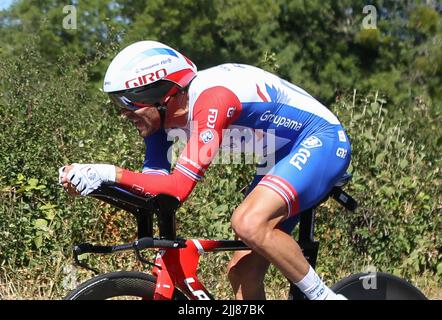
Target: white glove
88 177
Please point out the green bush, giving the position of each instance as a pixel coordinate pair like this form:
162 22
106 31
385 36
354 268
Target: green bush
396 168
50 116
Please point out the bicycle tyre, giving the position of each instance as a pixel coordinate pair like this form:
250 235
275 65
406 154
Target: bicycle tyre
119 284
377 286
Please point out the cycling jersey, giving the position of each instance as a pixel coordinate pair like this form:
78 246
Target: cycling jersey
310 146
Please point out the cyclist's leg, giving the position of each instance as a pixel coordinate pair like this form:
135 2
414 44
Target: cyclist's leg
296 183
247 269
255 221
246 273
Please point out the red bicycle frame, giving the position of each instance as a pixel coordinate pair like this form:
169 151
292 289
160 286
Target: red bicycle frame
177 268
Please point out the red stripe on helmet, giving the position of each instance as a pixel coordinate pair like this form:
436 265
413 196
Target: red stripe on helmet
182 77
189 61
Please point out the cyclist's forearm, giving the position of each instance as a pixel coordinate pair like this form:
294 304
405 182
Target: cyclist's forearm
175 184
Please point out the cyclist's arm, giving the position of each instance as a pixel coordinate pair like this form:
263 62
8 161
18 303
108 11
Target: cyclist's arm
157 154
214 110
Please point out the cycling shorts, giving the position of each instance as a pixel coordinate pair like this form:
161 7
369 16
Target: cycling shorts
306 170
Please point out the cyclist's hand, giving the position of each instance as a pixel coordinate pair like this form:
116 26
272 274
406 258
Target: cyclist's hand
85 178
64 182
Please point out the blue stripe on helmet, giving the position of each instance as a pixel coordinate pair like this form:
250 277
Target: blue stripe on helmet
150 53
158 51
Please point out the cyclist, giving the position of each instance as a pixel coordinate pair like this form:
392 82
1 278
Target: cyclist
158 89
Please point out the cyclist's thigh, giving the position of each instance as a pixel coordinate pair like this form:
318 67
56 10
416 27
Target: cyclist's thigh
305 175
262 170
288 225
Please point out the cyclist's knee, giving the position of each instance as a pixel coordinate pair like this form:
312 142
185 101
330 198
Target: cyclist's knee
249 225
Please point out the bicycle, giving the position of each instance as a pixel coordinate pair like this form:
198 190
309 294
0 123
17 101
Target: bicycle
174 272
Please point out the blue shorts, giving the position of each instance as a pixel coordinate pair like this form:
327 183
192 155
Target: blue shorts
306 170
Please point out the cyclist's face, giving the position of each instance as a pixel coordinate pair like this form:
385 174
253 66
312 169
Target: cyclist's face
177 110
147 120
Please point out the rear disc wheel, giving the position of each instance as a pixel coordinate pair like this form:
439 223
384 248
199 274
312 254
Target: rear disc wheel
377 286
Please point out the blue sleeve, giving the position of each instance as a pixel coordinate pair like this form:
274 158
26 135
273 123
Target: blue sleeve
158 152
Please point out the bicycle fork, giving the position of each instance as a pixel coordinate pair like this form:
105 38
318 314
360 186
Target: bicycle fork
177 268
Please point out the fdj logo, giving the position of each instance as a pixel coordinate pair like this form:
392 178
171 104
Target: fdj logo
211 118
300 158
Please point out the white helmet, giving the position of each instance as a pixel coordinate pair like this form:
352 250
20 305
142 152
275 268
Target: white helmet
147 73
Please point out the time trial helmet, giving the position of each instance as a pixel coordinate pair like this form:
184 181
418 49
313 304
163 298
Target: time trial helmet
147 73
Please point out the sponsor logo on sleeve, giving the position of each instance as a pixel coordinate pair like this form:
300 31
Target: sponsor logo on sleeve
207 136
211 118
341 153
342 137
230 112
311 142
137 189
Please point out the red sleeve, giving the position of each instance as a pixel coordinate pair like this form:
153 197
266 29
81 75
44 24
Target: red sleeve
214 110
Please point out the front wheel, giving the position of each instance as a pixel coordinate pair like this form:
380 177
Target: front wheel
377 286
122 284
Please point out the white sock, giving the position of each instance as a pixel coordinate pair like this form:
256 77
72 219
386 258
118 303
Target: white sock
314 288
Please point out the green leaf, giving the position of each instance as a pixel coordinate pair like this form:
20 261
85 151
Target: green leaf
83 256
33 182
47 206
374 106
38 241
40 223
403 163
221 208
50 215
379 158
